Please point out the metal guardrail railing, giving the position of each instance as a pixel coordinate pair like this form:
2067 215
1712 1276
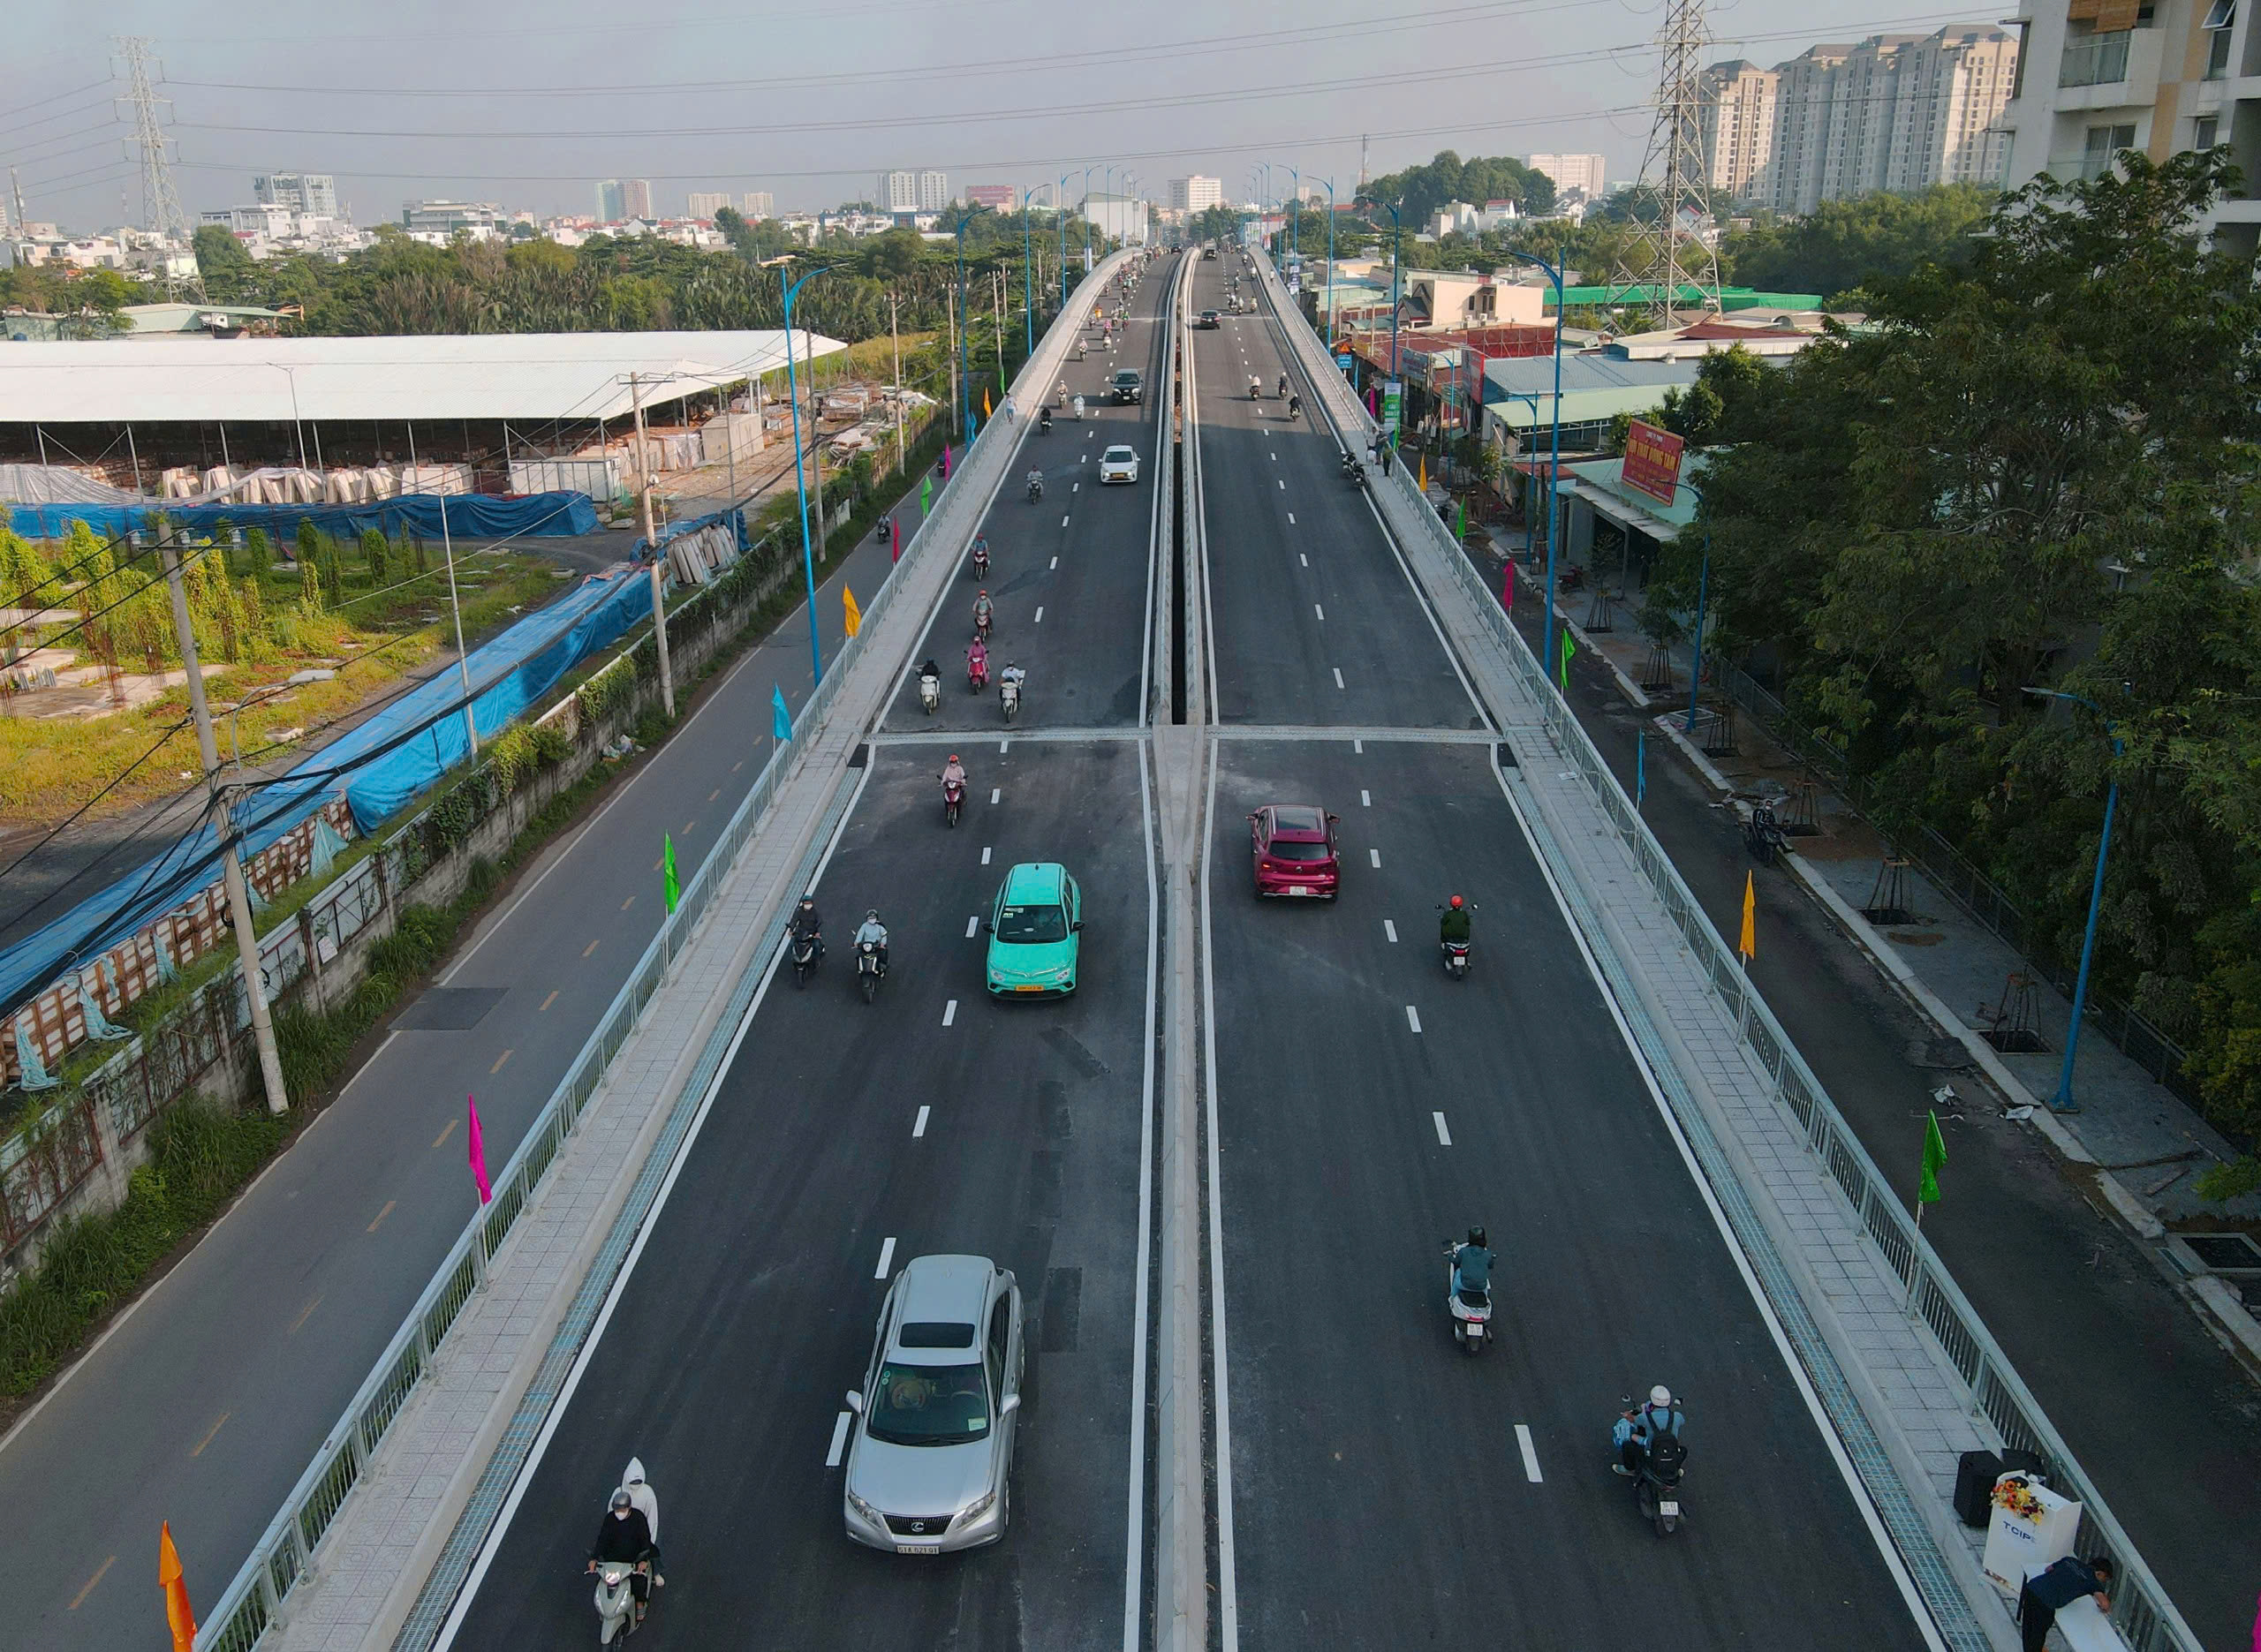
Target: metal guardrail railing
2141 1611
251 1604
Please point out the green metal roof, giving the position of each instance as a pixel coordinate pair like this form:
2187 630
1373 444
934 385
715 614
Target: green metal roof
1731 298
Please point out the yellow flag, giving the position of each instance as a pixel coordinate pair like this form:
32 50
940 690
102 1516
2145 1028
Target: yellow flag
178 1617
985 402
1748 945
854 616
1424 472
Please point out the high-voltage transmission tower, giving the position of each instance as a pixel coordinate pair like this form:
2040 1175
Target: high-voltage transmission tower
160 203
1673 207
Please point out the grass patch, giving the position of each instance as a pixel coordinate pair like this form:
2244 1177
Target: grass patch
200 1155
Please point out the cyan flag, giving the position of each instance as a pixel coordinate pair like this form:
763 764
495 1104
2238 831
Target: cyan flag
781 716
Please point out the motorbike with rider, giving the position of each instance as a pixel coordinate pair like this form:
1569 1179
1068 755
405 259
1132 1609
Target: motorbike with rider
805 929
985 614
1651 1454
870 953
1453 931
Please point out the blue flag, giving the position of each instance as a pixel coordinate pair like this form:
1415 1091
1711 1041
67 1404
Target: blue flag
781 717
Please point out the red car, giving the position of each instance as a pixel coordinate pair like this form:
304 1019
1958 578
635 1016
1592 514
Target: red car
1294 848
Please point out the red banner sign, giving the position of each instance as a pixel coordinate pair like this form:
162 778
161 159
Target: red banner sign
1653 461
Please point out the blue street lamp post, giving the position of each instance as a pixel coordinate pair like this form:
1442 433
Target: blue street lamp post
1554 467
2063 1101
965 384
800 480
1330 264
1087 213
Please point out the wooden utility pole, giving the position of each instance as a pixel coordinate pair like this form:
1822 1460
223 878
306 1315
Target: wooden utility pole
262 1026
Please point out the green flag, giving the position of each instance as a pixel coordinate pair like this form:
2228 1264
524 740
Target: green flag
926 493
1927 1191
1568 648
674 889
1460 528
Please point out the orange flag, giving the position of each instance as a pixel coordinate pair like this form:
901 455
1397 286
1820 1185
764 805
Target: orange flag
1748 945
178 1614
853 617
1425 474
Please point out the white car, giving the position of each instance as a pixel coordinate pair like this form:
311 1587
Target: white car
1118 465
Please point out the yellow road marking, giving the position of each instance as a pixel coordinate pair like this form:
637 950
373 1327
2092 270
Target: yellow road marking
388 1210
547 1003
591 947
629 901
441 1140
498 1062
304 1315
100 1572
717 792
217 1424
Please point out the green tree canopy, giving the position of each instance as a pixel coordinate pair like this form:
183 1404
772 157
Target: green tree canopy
1869 243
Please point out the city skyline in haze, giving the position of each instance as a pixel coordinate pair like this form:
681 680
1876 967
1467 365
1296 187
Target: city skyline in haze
419 100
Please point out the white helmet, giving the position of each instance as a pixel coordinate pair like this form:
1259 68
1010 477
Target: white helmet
1661 1396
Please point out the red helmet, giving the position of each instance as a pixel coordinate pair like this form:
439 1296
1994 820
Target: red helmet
1456 904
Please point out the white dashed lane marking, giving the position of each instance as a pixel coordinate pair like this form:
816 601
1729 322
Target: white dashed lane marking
949 1012
995 793
887 1255
918 1125
839 1441
1338 684
1365 798
973 926
1413 1018
1444 1137
1375 856
1530 1453
1390 930
1315 608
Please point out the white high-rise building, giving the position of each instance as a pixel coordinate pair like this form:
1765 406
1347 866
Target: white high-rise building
898 191
1583 173
934 191
314 192
1737 126
1196 194
1897 112
636 198
704 204
759 204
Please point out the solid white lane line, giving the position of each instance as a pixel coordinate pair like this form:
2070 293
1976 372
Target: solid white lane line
839 1441
995 793
1390 930
887 1255
949 1012
1530 1453
918 1125
1413 1018
1375 856
1315 608
1365 798
985 855
973 926
1039 619
1444 1137
1338 678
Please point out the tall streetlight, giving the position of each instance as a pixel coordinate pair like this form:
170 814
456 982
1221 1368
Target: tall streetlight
1130 189
1028 278
1555 479
800 477
2063 1101
1060 206
1330 264
1087 213
1703 601
965 385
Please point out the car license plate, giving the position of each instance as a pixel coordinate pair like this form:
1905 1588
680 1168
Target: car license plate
1029 987
917 1549
1669 1510
1298 889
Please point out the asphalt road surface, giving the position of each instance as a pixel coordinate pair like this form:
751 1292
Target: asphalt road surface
205 1404
1385 1489
846 1139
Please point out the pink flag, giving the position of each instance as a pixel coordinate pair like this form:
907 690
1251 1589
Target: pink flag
479 1155
1507 586
894 541
946 461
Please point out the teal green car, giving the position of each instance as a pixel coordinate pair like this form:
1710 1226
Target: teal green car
1035 932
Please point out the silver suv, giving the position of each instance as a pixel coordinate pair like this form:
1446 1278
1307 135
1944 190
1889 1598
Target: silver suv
931 1459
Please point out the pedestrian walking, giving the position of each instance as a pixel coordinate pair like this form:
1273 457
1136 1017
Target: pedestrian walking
2049 1591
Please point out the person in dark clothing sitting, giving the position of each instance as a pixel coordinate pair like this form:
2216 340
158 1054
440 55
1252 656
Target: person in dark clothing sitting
1453 923
625 1535
2058 1587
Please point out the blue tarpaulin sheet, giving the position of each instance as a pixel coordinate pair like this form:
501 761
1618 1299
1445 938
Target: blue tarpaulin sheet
474 516
380 766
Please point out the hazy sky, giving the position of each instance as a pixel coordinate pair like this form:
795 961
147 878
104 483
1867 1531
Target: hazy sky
528 104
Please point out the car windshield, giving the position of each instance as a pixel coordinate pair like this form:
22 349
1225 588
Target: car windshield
1033 924
1126 377
1115 455
1288 849
929 1405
